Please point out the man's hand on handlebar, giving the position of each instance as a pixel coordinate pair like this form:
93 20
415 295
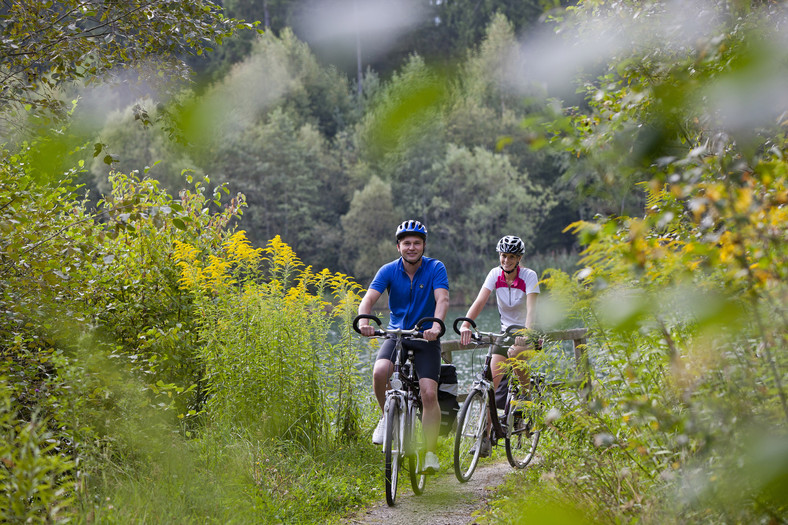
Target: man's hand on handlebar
433 333
367 330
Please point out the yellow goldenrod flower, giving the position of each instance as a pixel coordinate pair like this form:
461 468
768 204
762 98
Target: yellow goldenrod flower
281 255
216 273
185 252
743 200
240 249
191 276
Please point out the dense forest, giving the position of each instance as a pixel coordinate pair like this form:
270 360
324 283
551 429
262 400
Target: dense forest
333 170
194 194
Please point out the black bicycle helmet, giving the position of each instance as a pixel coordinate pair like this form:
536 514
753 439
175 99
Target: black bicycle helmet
510 244
411 227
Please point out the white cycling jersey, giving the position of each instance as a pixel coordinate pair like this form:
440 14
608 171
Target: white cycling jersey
511 299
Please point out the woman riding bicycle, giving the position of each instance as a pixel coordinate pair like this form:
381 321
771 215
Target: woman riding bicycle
516 289
418 287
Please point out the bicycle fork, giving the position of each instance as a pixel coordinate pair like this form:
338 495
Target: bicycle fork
397 398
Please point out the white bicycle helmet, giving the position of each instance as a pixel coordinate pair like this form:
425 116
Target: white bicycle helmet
511 244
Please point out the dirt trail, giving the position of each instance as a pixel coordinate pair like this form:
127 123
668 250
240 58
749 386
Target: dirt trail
445 500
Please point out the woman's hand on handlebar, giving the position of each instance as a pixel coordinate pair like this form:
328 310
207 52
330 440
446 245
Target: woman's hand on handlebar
465 335
367 330
466 331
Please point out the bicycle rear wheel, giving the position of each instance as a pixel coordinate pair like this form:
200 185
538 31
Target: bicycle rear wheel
392 449
415 445
471 424
524 426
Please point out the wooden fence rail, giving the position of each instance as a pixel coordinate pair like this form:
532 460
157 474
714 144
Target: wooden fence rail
578 336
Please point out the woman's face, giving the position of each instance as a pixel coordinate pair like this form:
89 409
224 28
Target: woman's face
509 261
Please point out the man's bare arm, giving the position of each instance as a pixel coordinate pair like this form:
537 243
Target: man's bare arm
365 307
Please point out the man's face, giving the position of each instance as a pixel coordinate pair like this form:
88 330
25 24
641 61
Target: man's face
411 248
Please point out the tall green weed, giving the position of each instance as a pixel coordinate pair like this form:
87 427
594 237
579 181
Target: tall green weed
685 302
114 407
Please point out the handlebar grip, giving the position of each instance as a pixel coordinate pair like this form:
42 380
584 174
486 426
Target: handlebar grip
365 316
433 320
512 329
463 319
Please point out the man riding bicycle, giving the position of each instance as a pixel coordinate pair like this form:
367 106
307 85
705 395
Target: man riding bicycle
418 287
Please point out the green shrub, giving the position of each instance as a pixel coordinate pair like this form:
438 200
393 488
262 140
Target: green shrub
36 480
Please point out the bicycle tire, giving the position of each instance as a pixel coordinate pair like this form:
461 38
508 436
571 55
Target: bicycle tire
524 426
414 437
471 425
392 449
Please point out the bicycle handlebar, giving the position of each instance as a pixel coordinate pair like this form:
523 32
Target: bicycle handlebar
416 332
478 335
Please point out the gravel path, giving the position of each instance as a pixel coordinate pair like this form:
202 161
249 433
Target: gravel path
445 500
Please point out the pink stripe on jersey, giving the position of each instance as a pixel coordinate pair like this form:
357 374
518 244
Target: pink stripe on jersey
518 283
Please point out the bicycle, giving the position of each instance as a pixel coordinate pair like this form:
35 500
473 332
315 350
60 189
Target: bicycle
404 436
521 424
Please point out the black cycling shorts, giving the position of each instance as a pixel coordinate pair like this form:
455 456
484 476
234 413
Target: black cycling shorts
426 356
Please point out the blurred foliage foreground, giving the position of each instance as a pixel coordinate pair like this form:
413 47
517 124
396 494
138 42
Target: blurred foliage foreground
157 368
687 419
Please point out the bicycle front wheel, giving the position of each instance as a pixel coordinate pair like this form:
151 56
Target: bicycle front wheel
392 449
415 440
471 424
524 425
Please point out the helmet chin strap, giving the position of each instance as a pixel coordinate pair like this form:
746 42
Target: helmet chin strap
510 271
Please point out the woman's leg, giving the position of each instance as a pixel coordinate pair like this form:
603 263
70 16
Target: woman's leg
497 369
521 353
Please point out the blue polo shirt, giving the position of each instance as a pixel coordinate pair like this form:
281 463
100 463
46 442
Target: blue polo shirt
409 300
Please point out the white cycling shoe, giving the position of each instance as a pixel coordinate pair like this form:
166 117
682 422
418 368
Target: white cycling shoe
379 433
431 463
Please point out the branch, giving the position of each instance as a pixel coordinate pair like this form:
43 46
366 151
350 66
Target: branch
29 249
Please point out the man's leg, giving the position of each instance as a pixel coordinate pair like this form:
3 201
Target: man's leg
381 373
431 416
380 379
428 365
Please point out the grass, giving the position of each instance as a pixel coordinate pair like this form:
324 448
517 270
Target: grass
230 477
233 478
